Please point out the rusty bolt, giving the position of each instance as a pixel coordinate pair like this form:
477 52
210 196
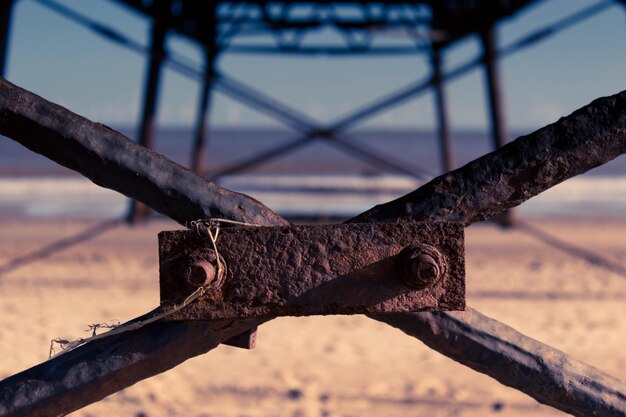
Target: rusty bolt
200 274
421 266
201 269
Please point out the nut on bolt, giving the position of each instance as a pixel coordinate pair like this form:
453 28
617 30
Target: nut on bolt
421 266
200 274
201 269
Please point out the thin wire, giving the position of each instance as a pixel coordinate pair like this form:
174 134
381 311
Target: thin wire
209 226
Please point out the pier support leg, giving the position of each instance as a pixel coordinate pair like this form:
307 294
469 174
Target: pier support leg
138 211
6 8
441 110
204 105
496 105
201 132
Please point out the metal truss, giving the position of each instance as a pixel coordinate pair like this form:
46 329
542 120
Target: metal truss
483 188
334 133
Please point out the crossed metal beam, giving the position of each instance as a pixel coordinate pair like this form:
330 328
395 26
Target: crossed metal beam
245 95
531 164
335 130
481 189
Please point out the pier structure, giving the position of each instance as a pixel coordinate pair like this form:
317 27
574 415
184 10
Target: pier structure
358 278
285 28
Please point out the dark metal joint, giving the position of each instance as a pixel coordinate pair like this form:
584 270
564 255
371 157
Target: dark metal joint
202 269
421 266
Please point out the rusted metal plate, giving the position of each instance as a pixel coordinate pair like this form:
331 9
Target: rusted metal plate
309 270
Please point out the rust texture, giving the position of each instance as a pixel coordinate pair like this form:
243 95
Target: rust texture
307 270
495 349
489 185
422 265
95 370
109 159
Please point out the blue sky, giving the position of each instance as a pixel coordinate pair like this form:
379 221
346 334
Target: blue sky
66 63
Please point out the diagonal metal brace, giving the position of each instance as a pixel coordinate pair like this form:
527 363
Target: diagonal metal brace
587 138
315 270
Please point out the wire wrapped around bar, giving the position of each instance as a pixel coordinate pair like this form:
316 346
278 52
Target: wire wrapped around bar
204 227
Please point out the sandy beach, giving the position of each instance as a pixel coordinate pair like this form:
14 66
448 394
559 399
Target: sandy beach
319 366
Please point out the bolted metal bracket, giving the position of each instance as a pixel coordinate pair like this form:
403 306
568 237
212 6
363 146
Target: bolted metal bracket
315 270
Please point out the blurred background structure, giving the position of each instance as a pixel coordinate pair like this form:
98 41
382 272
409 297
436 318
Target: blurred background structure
212 43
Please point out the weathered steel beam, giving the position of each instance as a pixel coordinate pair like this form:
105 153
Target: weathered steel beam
64 383
111 160
314 270
589 137
91 372
495 349
495 103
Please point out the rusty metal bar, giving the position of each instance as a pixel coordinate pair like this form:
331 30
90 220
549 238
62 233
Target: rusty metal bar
6 10
497 119
587 138
495 349
441 111
581 141
111 160
328 269
95 370
138 211
310 130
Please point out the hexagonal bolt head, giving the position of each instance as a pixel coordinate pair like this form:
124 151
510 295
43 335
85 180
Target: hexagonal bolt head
421 266
201 269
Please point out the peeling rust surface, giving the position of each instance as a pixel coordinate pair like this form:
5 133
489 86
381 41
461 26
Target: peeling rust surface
495 349
307 270
587 138
111 160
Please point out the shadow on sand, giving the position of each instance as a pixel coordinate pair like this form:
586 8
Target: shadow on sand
573 250
60 245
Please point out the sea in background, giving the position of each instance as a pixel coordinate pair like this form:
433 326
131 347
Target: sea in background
316 180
